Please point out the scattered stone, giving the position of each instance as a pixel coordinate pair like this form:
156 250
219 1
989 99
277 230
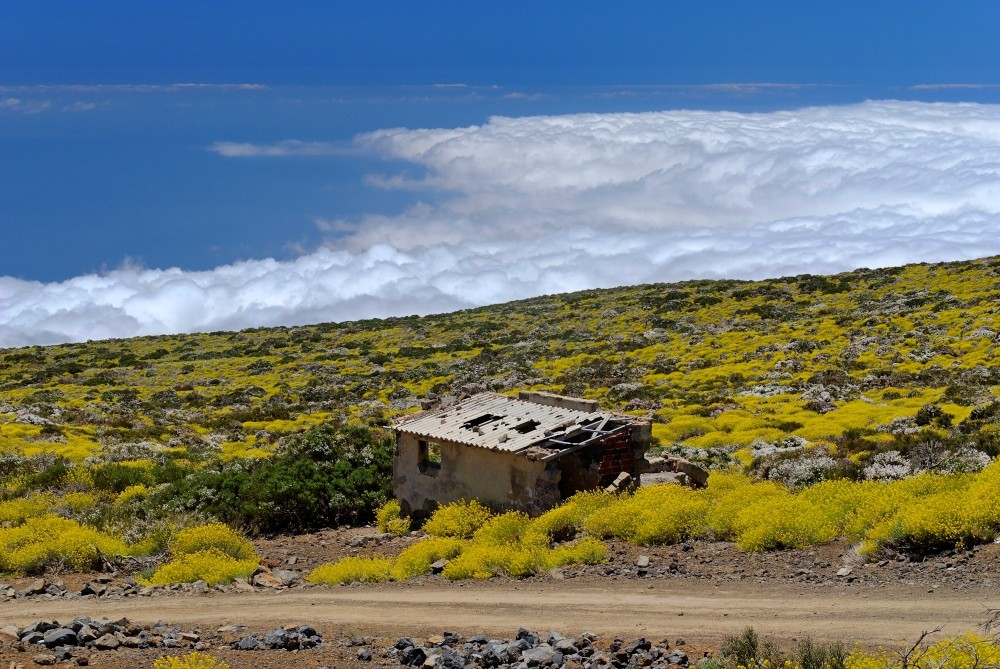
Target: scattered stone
60 636
844 571
266 579
92 588
287 577
642 561
44 659
36 587
438 566
242 585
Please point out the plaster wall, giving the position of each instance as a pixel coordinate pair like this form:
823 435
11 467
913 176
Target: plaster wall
495 478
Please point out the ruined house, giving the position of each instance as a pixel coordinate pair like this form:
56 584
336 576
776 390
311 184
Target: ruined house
526 453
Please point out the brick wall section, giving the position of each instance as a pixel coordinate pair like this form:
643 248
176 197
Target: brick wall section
617 457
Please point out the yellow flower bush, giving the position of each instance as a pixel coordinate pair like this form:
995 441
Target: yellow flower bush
212 566
131 494
388 519
654 514
510 544
193 660
506 528
51 540
16 511
351 569
417 559
459 519
587 550
965 651
568 517
213 536
783 521
483 561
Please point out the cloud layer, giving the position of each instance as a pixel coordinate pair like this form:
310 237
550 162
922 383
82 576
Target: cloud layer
535 205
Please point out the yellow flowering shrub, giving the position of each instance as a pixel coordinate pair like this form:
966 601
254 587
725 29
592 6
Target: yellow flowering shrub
507 528
965 651
483 561
131 494
783 521
459 519
568 517
417 559
193 660
75 502
214 535
212 566
388 519
654 514
16 511
350 569
587 550
51 540
729 495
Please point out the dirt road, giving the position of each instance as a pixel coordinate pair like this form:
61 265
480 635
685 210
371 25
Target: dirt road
702 612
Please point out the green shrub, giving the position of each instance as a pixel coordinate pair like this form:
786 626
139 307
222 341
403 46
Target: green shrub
331 475
115 477
749 651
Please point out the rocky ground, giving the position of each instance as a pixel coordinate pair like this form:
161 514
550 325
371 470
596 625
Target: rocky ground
112 642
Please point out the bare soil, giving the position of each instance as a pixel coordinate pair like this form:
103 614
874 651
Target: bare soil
699 592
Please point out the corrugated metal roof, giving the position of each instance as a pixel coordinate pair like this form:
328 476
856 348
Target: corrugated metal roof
497 422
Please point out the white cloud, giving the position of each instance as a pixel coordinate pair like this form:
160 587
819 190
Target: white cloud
289 147
941 87
25 106
80 107
538 205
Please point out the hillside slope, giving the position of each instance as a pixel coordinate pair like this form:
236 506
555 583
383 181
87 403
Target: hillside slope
867 374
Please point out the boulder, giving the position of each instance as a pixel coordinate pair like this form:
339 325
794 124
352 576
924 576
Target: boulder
287 577
60 636
36 587
266 579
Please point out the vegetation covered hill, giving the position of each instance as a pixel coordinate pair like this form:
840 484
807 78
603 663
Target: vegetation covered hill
873 374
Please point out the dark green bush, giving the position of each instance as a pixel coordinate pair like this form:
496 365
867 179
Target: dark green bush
115 477
331 475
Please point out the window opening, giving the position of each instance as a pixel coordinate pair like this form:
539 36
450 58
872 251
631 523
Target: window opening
429 457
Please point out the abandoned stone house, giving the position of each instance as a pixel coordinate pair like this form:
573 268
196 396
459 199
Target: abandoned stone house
526 453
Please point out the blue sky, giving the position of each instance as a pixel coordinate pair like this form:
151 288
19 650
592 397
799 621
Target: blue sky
148 145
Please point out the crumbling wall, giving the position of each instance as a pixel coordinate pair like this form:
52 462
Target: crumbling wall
496 478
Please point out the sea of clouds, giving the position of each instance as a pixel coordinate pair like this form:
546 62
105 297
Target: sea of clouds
537 205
